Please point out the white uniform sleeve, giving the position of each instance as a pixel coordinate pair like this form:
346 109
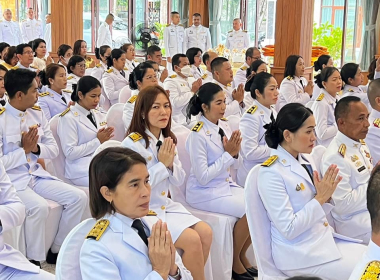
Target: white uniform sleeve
109 87
97 73
41 31
23 33
177 177
246 40
166 42
227 42
177 98
372 140
322 130
128 114
44 107
232 109
48 145
240 78
289 91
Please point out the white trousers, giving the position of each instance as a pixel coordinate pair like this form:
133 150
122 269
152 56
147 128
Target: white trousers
81 182
73 201
14 274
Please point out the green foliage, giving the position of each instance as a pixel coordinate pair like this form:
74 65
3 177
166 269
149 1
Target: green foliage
329 36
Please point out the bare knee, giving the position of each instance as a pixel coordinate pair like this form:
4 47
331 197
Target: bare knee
189 241
205 233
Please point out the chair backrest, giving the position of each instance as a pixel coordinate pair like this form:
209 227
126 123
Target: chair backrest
259 228
105 145
309 104
115 119
68 264
125 94
105 103
317 154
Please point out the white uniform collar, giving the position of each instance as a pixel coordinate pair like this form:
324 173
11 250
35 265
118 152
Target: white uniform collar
82 110
153 138
208 73
13 111
237 31
347 141
373 251
375 114
209 124
354 89
262 109
329 98
221 85
54 92
199 26
7 20
19 65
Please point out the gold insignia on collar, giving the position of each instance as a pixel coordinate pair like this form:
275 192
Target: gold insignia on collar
354 158
44 94
289 78
372 271
320 97
64 112
99 228
302 186
152 213
67 90
135 136
223 119
252 109
269 161
350 90
103 123
376 123
2 110
70 77
173 76
35 107
110 70
244 68
197 127
228 85
204 76
362 141
98 65
132 99
125 69
342 150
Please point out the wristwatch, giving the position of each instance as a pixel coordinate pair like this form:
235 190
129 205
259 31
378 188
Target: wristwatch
178 275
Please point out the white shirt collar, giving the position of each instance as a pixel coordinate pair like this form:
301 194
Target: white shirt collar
82 110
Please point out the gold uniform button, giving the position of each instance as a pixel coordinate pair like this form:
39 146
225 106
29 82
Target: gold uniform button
163 193
30 172
28 160
227 180
149 158
325 224
22 120
163 207
228 170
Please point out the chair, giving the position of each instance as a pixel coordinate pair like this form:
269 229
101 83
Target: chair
259 228
125 94
105 103
115 118
105 145
68 265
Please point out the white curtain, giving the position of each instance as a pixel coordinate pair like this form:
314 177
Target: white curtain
369 43
215 13
184 12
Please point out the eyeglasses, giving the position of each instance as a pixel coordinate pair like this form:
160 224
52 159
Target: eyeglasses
256 57
81 65
28 53
154 77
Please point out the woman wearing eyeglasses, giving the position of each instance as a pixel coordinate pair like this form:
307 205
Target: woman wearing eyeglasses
102 54
195 59
76 69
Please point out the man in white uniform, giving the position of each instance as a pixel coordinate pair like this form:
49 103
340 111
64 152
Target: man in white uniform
237 38
25 137
10 30
25 57
252 54
373 136
47 36
31 28
174 37
207 58
197 36
104 32
154 53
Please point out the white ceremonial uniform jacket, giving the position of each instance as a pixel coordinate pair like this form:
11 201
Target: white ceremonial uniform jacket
174 39
180 95
104 36
210 176
12 214
355 165
254 149
120 253
98 71
372 254
237 39
22 167
323 109
113 82
299 227
197 72
130 65
72 79
19 65
31 29
207 77
292 91
161 178
240 76
358 92
10 32
79 140
128 109
232 106
316 91
197 37
52 103
373 136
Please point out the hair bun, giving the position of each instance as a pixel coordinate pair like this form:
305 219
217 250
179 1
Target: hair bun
272 135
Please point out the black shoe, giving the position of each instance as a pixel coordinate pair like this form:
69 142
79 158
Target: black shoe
243 276
51 257
253 271
37 263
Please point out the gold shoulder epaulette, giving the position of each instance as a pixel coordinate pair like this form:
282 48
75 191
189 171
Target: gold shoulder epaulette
173 76
34 67
320 97
132 99
14 68
197 127
44 94
98 65
110 70
223 119
135 136
362 141
269 161
2 110
152 213
35 107
350 90
376 122
204 76
229 84
243 68
67 90
97 231
70 77
252 109
342 150
289 78
125 69
372 271
180 24
230 31
245 31
64 112
168 25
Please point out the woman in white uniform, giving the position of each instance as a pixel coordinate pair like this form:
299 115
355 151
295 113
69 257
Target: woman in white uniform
102 54
330 84
80 48
3 96
353 79
3 50
297 200
10 58
323 61
150 135
64 52
76 69
256 67
213 150
141 77
128 241
81 129
254 149
57 98
195 59
130 55
116 77
294 87
40 60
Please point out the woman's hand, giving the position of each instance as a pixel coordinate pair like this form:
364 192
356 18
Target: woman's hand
232 146
167 152
326 187
309 88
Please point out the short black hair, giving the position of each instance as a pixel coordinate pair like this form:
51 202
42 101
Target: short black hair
342 108
373 91
290 65
174 13
151 50
84 85
205 57
20 48
324 75
373 199
36 43
176 59
250 51
191 53
217 63
322 60
73 61
18 80
138 74
197 15
254 66
3 45
349 71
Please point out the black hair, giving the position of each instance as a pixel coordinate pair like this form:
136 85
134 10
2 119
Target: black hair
197 15
191 53
49 73
250 51
84 85
3 45
373 199
62 50
36 43
291 117
259 82
217 63
371 70
254 66
349 71
74 60
115 54
373 92
9 54
20 48
151 62
151 50
290 65
101 51
77 46
342 108
205 57
176 60
322 60
18 80
204 95
174 13
324 75
138 74
3 68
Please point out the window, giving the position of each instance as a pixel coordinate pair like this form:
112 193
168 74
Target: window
230 11
18 8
